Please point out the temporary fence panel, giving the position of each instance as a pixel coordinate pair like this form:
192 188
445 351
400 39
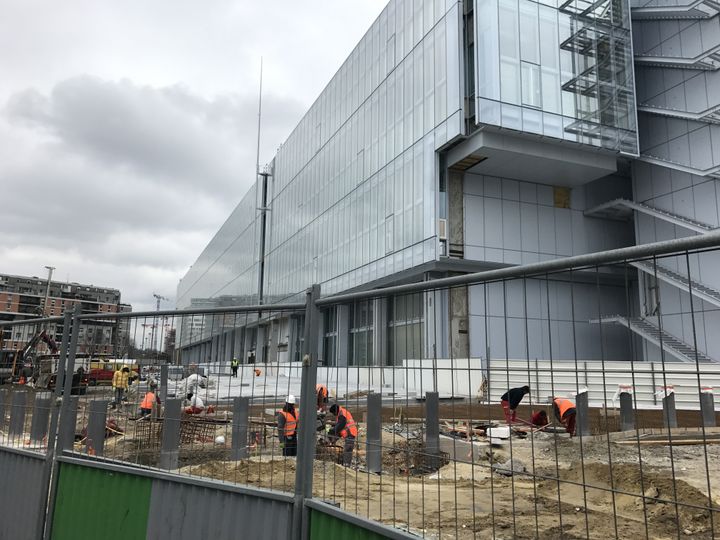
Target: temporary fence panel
98 499
327 521
23 494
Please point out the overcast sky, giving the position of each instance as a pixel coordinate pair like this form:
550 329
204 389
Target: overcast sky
128 128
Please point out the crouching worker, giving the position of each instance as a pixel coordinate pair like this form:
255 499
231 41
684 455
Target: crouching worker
565 412
195 405
287 420
322 397
539 418
510 401
345 428
149 401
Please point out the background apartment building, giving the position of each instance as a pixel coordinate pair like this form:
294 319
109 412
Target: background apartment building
467 135
23 298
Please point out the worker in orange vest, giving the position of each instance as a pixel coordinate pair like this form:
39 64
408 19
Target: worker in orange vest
149 401
565 413
287 420
346 428
322 397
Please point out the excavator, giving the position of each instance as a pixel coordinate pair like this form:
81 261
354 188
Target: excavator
27 363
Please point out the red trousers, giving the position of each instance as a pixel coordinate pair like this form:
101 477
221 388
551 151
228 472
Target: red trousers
510 414
569 423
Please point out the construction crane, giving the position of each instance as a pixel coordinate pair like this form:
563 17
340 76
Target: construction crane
158 298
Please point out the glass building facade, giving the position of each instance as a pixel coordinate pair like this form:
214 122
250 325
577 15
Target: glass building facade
558 68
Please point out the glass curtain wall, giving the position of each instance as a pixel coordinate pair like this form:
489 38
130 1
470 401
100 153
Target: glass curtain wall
559 68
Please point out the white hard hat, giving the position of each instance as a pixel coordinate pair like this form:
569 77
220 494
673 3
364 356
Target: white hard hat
220 439
290 399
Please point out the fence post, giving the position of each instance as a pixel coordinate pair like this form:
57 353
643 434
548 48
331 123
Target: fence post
4 400
241 412
707 408
170 449
97 420
669 413
17 413
374 433
40 417
308 417
163 382
432 423
627 413
63 416
583 427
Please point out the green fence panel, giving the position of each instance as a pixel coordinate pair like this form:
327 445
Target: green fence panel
324 526
92 503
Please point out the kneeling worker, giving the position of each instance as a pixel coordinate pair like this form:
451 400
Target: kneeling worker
346 428
149 401
322 397
195 404
510 401
287 420
565 412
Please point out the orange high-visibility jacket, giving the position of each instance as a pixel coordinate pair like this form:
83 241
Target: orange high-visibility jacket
290 424
148 401
321 391
350 425
563 405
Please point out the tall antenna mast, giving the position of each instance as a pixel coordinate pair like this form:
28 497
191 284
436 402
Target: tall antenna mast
257 159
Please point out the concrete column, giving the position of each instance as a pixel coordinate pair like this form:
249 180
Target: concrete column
4 405
41 416
163 382
240 424
260 345
292 338
321 336
68 420
274 334
707 407
17 413
669 413
432 423
627 413
583 425
373 445
247 344
170 445
343 335
379 331
97 420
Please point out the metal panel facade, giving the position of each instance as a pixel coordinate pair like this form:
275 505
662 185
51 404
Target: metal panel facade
23 495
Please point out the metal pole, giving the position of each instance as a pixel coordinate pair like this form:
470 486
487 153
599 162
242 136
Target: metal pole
308 417
373 444
669 413
583 428
47 289
170 449
627 413
241 412
97 420
707 408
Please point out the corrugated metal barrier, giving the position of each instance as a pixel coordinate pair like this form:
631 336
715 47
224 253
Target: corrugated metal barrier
23 494
110 501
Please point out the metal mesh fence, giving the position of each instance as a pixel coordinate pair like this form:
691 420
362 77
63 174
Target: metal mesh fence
567 400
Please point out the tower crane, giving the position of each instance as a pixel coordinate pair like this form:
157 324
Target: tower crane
158 298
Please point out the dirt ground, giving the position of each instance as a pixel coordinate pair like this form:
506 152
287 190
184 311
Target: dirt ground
461 500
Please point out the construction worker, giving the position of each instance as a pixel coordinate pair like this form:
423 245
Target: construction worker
539 418
194 405
234 365
510 401
120 383
149 401
287 420
565 413
322 397
346 428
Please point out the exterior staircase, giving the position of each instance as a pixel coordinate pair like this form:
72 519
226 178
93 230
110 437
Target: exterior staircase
653 10
623 209
680 281
667 342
